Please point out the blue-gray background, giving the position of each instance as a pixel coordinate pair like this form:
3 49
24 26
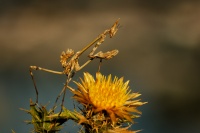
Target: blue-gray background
159 44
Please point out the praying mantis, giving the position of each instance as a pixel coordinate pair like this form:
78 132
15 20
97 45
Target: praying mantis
72 66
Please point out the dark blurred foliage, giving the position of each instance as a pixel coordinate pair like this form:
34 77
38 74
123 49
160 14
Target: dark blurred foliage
159 53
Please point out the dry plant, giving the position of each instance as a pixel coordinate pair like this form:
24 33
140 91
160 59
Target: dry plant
108 105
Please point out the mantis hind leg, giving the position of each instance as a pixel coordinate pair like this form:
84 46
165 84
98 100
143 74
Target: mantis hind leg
33 79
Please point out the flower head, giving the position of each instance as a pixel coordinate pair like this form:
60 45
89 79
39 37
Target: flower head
105 94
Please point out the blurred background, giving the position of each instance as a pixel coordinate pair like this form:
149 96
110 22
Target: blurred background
159 52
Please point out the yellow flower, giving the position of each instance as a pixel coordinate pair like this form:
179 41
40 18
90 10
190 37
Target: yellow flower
112 96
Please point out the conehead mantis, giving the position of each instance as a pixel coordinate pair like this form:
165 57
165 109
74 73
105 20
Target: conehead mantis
70 60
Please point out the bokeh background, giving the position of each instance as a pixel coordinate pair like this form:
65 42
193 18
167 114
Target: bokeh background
159 44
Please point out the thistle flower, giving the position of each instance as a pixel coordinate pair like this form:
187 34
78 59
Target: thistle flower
106 95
